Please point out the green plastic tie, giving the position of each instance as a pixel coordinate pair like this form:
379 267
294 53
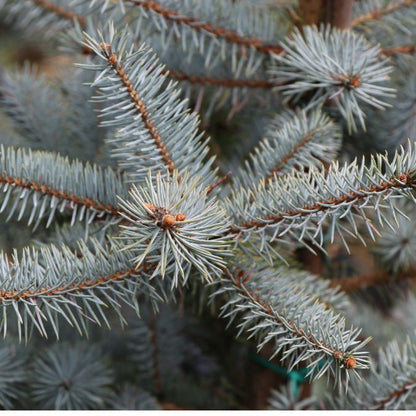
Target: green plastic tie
295 377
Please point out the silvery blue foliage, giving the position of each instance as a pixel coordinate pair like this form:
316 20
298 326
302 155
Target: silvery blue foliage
156 225
42 189
389 128
395 247
41 286
159 232
163 23
394 28
334 66
285 399
300 326
154 103
390 386
29 99
299 142
299 204
13 375
71 377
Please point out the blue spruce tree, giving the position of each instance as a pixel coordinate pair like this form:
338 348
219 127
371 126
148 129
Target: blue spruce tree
187 202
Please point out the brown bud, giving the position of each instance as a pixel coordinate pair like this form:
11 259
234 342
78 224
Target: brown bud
113 58
180 217
350 363
105 47
168 221
355 81
152 207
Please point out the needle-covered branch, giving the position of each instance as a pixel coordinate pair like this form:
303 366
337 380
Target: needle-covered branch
389 23
231 40
334 66
276 306
293 142
60 11
27 97
222 82
155 129
391 385
13 365
313 207
45 17
41 286
41 184
198 25
380 13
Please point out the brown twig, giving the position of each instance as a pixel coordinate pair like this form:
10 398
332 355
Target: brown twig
380 404
379 277
243 277
379 13
227 83
60 194
408 49
403 181
116 65
206 80
198 25
16 295
218 182
60 11
289 156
